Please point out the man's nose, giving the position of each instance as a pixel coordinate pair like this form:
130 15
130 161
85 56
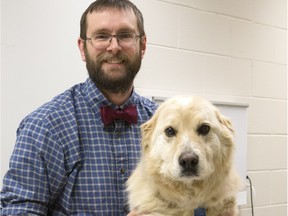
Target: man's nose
114 46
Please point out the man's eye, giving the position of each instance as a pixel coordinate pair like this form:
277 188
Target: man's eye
101 37
125 35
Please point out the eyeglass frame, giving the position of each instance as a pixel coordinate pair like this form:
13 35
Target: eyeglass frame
110 39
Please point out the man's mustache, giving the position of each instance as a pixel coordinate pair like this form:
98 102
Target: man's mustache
112 57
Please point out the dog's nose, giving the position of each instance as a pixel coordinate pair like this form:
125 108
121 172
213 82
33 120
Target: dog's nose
188 160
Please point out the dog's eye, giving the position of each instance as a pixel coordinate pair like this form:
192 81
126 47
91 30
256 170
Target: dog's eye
203 129
170 132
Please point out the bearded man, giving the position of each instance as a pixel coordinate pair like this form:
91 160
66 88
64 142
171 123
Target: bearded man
74 154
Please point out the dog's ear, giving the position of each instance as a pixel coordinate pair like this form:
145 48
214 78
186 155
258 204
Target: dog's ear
224 121
226 138
146 132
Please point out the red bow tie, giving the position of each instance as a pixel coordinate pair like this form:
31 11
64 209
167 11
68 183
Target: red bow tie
129 114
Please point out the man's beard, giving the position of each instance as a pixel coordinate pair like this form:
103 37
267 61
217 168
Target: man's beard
104 80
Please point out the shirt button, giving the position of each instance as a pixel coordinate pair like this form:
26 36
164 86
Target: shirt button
119 134
122 170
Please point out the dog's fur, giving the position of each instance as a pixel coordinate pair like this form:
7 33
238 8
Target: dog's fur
186 162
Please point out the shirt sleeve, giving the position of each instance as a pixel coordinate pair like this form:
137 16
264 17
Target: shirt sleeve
36 171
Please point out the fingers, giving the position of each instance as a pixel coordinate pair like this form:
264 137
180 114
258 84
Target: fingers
134 213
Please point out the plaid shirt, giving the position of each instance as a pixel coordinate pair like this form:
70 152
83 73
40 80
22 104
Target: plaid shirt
66 163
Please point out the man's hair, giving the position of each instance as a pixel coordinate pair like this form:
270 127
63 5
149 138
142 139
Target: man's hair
101 5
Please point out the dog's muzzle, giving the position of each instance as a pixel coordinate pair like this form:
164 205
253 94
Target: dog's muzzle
188 162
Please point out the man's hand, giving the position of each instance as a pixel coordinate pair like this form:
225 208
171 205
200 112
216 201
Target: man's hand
134 213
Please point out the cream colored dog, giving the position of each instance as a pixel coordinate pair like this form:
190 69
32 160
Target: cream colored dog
186 162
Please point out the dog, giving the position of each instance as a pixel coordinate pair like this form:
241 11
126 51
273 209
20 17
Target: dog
186 162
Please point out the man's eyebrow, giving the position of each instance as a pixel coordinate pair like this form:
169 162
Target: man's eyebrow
102 30
107 31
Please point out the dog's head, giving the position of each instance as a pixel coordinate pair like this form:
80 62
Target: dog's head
187 139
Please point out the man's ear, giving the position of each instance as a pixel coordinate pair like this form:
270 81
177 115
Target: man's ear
143 46
81 48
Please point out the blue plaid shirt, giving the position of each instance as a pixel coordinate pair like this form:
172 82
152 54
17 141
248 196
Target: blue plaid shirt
66 163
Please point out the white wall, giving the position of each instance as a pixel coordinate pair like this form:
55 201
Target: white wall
225 50
39 59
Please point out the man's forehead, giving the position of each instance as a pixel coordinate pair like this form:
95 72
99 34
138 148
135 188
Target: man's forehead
111 18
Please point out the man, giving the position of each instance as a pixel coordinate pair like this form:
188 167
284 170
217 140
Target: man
74 154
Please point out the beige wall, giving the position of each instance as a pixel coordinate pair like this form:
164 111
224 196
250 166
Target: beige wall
234 51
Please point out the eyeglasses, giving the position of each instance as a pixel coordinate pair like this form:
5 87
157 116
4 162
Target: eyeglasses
102 41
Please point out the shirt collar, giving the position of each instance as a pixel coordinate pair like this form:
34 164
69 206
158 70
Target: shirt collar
96 99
